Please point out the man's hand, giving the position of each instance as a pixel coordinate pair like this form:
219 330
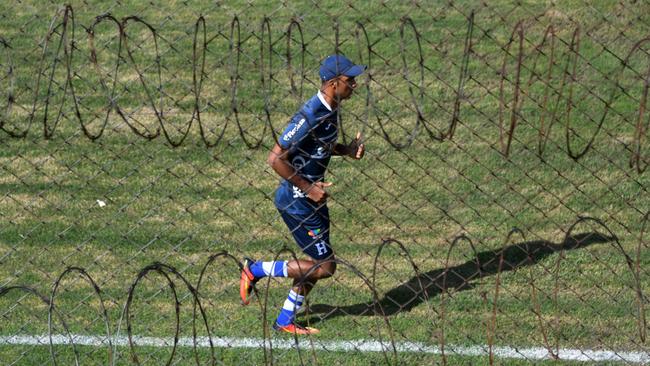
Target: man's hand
316 192
356 149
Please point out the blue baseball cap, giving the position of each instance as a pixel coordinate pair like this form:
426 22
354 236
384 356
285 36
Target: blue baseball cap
336 65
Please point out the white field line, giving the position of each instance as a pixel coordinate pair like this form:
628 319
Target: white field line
358 345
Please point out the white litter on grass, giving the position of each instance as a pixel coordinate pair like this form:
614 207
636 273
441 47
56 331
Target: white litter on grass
101 203
357 345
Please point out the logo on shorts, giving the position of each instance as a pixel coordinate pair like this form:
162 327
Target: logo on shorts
313 233
321 248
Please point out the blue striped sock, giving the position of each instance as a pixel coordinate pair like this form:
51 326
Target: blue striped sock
291 305
261 269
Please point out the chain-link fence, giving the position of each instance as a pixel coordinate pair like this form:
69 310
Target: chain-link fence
498 216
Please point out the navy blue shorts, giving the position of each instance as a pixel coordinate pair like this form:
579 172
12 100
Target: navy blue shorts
311 232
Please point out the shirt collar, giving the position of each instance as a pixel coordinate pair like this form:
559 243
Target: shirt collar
322 100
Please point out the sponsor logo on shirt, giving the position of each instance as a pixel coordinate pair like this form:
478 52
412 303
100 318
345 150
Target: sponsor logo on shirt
313 232
289 135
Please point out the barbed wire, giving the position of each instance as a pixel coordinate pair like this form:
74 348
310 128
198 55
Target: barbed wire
449 279
66 43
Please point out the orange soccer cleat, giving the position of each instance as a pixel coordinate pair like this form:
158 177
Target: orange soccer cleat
295 329
246 282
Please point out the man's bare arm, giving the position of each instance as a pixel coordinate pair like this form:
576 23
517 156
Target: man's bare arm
278 160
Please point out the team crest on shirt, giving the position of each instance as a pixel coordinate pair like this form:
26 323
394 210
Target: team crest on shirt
321 153
313 232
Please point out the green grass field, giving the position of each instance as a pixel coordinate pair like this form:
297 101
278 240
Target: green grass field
179 205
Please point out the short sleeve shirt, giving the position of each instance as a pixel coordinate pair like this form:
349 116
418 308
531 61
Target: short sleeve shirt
309 138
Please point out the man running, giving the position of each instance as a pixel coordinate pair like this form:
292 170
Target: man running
300 158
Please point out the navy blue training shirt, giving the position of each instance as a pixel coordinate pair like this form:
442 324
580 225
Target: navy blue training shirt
309 138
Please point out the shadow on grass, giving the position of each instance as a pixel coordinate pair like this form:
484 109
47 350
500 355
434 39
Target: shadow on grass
427 285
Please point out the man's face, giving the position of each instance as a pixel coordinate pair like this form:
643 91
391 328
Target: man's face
345 85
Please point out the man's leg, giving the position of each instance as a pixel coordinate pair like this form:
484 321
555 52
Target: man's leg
305 274
253 271
300 268
311 233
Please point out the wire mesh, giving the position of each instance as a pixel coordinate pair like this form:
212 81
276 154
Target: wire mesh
499 215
